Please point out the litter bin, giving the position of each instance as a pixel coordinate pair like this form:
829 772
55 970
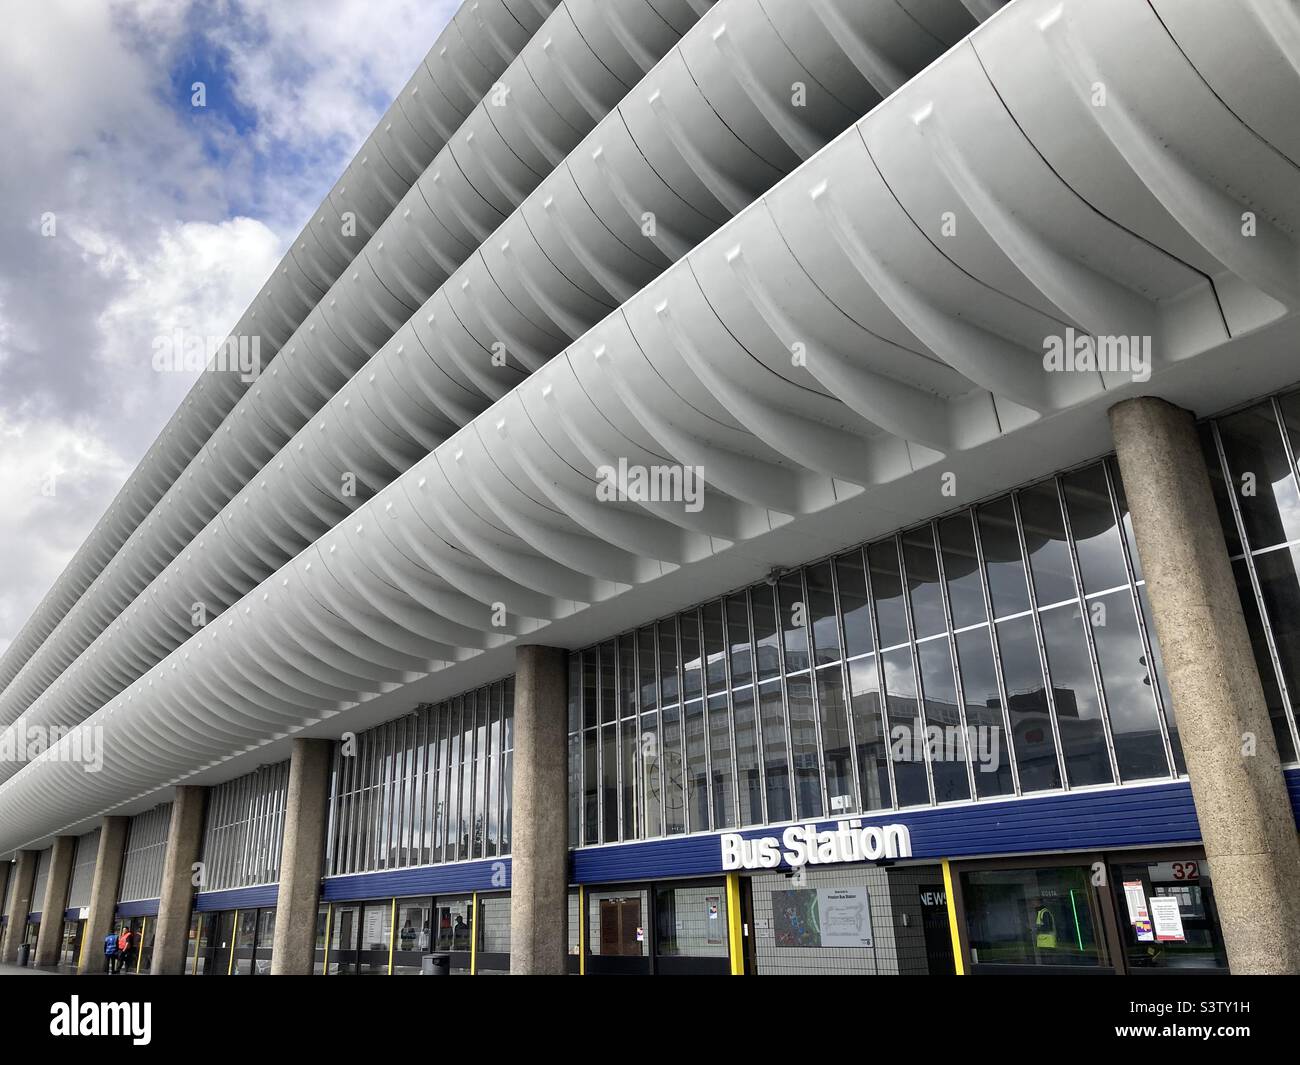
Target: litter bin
24 954
435 965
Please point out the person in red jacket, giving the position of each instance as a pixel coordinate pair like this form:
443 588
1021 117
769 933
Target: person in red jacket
126 949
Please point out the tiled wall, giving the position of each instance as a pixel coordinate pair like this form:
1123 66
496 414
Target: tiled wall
897 933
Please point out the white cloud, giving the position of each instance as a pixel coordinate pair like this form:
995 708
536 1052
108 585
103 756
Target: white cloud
165 219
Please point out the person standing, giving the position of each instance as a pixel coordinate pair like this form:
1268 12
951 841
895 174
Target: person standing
110 953
126 948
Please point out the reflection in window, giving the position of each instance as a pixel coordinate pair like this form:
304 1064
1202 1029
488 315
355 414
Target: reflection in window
1003 563
906 737
1264 663
869 735
961 570
1038 917
990 751
1031 723
923 582
1092 524
1262 479
1049 555
1074 690
1126 680
945 736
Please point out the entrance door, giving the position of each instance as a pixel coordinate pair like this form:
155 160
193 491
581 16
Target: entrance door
343 940
618 939
374 953
221 944
938 934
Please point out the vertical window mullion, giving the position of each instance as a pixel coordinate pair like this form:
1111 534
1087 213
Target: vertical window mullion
958 685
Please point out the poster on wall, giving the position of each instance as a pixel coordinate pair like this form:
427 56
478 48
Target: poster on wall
1138 916
822 917
1167 919
711 907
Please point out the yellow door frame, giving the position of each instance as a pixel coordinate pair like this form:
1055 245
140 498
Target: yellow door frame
234 938
392 935
198 938
473 935
954 929
139 950
735 931
329 918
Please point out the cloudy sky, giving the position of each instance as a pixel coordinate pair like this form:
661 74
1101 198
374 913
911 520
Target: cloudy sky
164 216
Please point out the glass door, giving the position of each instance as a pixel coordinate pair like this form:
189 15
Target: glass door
414 935
220 943
454 918
343 940
265 940
375 953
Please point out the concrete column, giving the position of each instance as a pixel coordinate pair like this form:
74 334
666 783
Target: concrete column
539 879
1246 821
176 898
306 810
22 880
50 938
103 892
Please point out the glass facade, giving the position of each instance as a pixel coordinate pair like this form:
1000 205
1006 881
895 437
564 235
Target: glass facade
433 786
1000 650
146 847
245 829
83 870
1252 459
39 884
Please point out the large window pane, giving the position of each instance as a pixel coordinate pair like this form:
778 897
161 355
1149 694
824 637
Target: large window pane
838 758
1219 487
1092 524
1264 663
1261 476
673 763
869 735
1046 916
1126 680
906 740
945 737
887 591
749 771
851 575
1002 561
1031 723
803 747
694 726
821 613
794 623
988 745
1049 555
766 646
922 570
961 570
742 657
609 756
1280 588
776 759
1078 707
720 761
590 788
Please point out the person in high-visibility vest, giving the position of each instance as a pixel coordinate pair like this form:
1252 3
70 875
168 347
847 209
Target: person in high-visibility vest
1044 927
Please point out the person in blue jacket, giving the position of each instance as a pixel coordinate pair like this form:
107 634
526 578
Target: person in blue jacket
110 953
